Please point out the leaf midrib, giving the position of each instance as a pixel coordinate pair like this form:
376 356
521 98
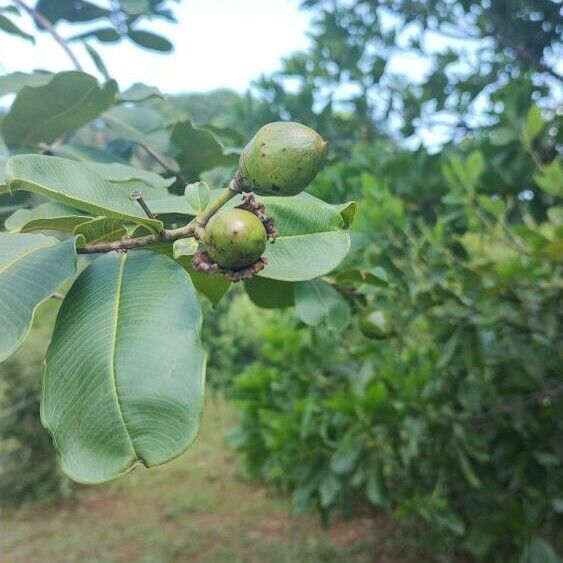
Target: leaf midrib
122 259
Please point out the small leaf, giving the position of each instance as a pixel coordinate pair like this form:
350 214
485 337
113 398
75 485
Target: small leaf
134 392
45 217
32 267
100 229
10 27
269 294
139 92
534 123
197 150
184 247
375 490
150 40
316 300
97 60
43 114
198 196
348 211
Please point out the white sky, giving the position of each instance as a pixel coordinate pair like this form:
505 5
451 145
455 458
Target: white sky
218 43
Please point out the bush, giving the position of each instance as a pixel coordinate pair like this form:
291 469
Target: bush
455 418
29 471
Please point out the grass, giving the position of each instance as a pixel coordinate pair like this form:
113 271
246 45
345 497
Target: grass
194 509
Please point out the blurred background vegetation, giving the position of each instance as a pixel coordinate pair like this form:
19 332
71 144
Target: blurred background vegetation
426 385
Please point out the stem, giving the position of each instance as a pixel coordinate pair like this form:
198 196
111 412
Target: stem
43 21
163 162
168 235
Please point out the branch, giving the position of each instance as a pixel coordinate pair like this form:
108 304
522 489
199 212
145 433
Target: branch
520 51
169 235
163 162
538 398
43 21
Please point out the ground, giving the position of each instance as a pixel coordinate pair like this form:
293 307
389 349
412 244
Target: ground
196 509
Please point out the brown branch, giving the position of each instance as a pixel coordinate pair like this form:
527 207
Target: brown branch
43 21
163 162
523 54
168 235
538 398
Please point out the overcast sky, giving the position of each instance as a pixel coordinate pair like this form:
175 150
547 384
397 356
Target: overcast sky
218 43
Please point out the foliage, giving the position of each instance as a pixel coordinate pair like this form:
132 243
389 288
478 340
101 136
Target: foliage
455 417
29 470
420 68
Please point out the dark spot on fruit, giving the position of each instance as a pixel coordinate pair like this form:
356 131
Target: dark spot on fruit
275 188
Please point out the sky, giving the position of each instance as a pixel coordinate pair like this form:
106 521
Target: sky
218 43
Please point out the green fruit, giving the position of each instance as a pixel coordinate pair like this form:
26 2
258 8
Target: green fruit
376 324
282 159
235 239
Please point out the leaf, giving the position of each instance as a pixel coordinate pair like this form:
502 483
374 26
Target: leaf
116 172
42 114
150 40
7 25
74 184
46 216
125 369
374 489
198 196
197 150
311 242
537 550
98 61
534 123
134 7
100 229
184 247
329 488
15 81
139 92
348 212
269 294
213 286
32 267
315 300
70 10
104 35
139 125
550 177
86 154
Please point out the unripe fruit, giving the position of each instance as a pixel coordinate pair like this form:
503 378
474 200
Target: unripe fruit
235 239
282 159
375 324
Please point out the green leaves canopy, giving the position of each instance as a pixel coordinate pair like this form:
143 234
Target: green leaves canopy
125 369
32 267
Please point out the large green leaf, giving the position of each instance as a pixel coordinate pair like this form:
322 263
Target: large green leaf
45 113
125 369
311 242
198 150
32 267
74 184
45 217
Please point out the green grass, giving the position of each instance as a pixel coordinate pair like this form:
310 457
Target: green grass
195 509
